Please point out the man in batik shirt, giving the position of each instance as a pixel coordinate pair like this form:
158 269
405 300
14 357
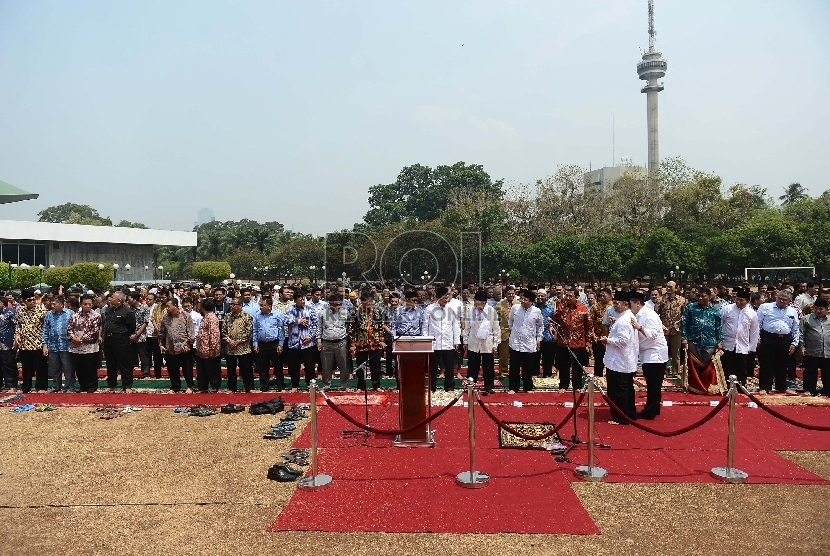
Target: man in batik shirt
575 331
367 340
84 331
29 340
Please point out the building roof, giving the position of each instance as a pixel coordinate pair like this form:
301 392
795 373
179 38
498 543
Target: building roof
11 194
48 231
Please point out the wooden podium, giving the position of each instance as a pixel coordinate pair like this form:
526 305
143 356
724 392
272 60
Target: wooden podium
413 353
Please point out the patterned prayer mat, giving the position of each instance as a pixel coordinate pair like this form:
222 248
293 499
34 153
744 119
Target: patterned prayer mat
509 440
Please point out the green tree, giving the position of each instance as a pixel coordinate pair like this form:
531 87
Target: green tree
90 275
71 213
25 277
420 193
792 193
211 272
662 251
772 240
128 224
57 275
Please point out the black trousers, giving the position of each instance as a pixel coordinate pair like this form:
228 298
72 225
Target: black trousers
773 360
308 358
155 350
446 359
570 371
86 369
9 368
246 371
142 352
208 372
373 357
599 355
522 363
812 365
654 374
119 353
178 364
487 362
735 364
621 392
266 357
35 365
548 357
390 359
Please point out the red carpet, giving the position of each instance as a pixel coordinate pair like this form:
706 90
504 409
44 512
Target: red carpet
145 399
399 490
380 488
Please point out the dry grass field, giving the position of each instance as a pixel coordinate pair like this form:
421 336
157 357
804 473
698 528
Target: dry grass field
158 483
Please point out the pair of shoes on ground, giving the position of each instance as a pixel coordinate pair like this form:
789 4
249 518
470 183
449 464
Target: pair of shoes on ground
294 414
232 408
22 408
277 434
286 426
297 457
45 407
284 473
202 410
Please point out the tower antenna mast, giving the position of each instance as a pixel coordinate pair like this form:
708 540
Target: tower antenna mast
651 31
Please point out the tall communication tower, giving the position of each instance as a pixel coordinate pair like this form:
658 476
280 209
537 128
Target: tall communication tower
650 69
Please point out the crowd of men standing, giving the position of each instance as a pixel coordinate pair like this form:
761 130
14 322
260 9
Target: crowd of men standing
528 331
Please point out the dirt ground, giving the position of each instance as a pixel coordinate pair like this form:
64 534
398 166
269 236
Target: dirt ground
155 482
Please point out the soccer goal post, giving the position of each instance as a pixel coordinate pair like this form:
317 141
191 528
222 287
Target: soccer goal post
788 274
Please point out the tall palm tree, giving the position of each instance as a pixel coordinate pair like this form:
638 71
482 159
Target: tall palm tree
792 193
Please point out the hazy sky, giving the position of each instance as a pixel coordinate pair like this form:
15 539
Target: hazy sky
289 111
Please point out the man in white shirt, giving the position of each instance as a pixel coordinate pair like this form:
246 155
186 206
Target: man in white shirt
443 324
526 329
654 298
740 335
654 352
457 307
808 297
622 348
481 337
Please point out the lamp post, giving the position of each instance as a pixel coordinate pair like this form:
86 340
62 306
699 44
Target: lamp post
115 268
12 266
313 268
41 267
161 272
146 268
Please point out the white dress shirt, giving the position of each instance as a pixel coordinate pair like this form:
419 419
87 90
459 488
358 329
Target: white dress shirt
623 345
197 321
443 324
653 346
740 328
474 320
526 328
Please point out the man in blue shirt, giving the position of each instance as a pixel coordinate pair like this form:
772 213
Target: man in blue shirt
269 335
56 346
302 331
778 323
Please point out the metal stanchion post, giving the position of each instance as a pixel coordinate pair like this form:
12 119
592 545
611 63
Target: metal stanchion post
589 472
472 478
314 481
729 473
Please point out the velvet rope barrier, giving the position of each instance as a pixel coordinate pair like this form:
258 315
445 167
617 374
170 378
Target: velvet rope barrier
784 418
367 428
709 416
542 436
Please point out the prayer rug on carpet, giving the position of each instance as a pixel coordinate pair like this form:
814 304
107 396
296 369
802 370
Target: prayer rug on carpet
510 440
